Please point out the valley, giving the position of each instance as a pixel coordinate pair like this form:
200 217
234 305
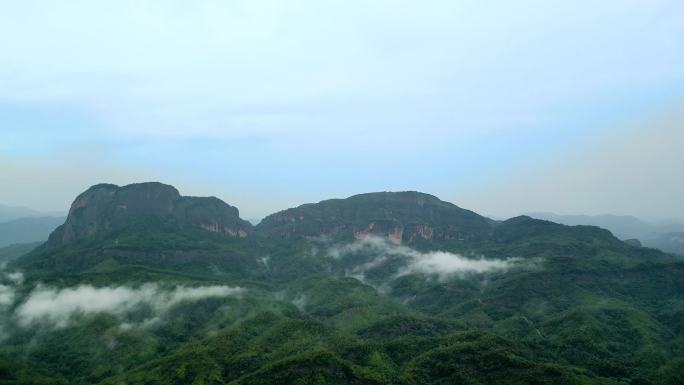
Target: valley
141 285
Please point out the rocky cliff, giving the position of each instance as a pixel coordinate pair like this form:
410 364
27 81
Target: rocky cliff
106 207
402 217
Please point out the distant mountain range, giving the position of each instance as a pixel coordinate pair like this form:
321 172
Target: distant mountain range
666 236
8 213
16 250
24 225
33 226
26 230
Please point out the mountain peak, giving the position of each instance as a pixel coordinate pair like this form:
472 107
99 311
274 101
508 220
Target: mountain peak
399 195
402 217
106 207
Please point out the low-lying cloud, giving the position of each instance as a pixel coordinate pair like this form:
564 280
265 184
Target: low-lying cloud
9 280
6 295
15 277
58 306
443 264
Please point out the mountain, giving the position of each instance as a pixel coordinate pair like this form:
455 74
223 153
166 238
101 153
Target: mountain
24 230
144 223
664 236
668 242
105 208
623 226
9 213
402 217
144 286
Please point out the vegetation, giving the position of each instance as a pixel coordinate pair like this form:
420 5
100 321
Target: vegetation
581 307
14 251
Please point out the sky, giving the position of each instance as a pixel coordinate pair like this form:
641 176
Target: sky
501 107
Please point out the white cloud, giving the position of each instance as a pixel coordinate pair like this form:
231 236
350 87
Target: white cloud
442 264
16 277
7 292
6 295
232 68
300 302
57 306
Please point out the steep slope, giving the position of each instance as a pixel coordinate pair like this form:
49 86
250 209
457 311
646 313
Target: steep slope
148 224
105 208
402 217
386 288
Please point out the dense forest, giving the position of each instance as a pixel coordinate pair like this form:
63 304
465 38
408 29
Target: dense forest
141 285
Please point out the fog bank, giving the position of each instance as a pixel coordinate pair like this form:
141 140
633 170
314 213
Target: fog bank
442 264
58 306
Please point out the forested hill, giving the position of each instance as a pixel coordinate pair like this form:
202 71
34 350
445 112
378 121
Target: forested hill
142 285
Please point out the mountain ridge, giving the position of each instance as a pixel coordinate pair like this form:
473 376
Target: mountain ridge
106 207
145 297
151 224
666 236
404 217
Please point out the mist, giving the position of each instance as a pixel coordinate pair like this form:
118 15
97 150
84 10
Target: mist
6 295
440 264
56 307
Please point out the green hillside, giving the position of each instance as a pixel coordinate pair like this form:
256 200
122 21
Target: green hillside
380 288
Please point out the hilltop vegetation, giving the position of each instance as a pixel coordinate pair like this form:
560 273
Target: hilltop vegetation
382 288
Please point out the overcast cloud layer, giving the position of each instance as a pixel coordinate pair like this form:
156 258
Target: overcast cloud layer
317 99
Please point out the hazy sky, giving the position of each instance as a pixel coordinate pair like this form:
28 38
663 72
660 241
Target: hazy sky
498 106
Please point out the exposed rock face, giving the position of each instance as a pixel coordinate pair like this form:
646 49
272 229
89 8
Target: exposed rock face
212 214
401 217
106 207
